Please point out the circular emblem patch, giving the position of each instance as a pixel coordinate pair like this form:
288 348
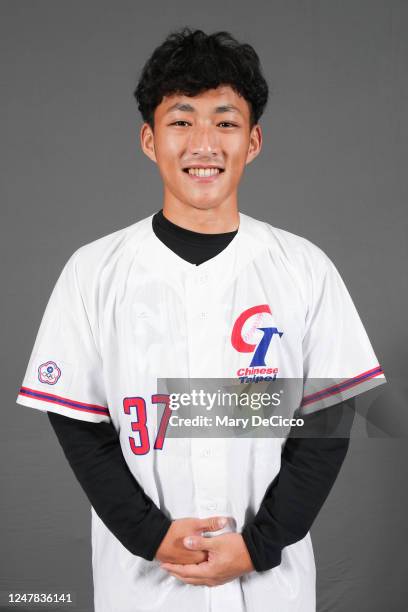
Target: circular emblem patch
49 373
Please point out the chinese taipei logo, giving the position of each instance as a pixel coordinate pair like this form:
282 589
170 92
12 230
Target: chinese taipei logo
49 373
258 370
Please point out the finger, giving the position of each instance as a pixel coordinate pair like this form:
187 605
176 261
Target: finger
198 543
208 581
194 571
212 523
195 581
172 568
186 557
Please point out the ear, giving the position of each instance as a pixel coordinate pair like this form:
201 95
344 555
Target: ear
255 143
147 141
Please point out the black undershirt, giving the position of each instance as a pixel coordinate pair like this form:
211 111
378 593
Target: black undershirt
194 247
309 466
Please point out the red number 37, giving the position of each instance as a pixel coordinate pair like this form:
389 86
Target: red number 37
138 405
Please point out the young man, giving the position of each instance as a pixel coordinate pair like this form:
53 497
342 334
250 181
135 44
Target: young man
198 290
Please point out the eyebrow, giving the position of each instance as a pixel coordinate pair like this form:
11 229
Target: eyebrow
184 106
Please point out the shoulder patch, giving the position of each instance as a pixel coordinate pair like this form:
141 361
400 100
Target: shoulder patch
49 373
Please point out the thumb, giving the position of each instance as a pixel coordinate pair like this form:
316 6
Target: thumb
198 543
212 523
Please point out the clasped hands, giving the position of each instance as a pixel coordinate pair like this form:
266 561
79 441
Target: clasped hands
210 561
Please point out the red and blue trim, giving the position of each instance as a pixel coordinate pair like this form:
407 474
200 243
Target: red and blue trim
339 388
63 401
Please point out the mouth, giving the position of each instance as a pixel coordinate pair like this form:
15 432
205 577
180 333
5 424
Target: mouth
204 174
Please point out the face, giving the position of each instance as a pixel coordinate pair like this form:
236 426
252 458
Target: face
201 145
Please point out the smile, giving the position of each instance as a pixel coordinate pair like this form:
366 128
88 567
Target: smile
203 171
203 175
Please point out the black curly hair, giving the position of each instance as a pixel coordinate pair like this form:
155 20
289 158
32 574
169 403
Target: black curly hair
190 62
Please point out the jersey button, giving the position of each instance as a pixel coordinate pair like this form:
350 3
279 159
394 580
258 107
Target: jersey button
202 279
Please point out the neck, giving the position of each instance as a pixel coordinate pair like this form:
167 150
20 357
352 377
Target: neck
217 220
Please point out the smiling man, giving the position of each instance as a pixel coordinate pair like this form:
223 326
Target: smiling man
199 290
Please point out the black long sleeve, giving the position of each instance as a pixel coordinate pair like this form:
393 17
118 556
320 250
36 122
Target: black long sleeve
309 468
94 453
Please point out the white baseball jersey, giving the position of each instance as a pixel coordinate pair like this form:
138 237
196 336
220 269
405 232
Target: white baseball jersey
127 310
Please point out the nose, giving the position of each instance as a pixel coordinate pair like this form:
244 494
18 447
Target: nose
203 140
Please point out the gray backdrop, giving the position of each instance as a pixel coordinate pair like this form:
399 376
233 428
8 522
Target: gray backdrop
332 169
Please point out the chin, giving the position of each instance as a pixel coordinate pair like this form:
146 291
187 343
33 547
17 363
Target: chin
203 202
204 205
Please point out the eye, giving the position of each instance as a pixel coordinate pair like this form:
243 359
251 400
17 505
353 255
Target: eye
227 123
179 122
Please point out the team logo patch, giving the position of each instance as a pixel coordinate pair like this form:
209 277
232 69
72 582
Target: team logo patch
49 373
257 349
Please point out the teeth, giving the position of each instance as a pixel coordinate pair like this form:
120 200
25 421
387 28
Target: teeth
203 171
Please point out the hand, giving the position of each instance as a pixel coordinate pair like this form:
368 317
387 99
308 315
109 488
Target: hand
172 549
228 558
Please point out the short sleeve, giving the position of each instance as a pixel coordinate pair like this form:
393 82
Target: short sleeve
64 373
338 359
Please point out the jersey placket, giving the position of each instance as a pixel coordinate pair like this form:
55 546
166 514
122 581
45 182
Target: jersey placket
208 454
